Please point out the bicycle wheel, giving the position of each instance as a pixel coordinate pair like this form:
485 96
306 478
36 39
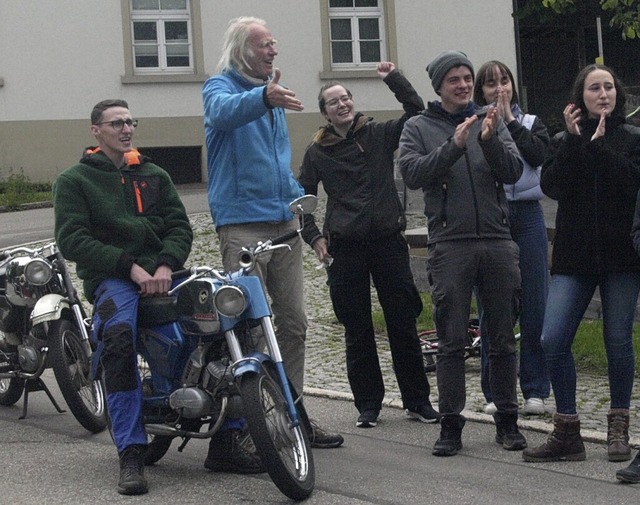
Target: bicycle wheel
429 346
285 451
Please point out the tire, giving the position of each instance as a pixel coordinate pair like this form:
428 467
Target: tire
285 452
10 391
429 346
157 447
72 367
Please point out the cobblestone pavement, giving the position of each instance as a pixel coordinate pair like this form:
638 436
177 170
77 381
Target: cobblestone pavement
325 362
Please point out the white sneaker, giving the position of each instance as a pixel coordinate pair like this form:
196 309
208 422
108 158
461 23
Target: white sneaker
490 408
534 407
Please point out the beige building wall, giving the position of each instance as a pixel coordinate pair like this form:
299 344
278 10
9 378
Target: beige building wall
59 58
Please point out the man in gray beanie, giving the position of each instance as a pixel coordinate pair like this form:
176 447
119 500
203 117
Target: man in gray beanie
444 62
460 156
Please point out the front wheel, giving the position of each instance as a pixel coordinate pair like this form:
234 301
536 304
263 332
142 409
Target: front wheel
72 368
285 451
10 391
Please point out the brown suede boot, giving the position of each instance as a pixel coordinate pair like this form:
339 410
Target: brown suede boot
564 443
618 435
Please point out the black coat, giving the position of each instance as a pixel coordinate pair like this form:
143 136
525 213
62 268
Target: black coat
595 184
357 174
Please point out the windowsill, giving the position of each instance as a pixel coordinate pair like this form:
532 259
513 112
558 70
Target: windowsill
162 78
348 74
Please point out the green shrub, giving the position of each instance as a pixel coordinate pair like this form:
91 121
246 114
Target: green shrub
17 188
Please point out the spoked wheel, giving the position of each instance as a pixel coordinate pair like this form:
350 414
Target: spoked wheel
10 391
285 451
72 368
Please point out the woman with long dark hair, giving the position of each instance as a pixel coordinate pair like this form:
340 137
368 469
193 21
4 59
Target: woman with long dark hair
593 171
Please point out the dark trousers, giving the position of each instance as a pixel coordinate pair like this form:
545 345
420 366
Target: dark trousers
455 267
386 261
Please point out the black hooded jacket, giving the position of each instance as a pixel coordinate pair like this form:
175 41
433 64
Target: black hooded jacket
357 173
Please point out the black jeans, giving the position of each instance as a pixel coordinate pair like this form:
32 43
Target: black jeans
386 261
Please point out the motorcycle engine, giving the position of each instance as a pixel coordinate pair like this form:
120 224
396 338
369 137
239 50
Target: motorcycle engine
191 402
29 358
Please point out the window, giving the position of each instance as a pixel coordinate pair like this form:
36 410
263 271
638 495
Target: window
161 36
357 35
162 40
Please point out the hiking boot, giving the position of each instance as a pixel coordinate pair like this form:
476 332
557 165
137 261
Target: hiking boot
631 474
227 454
450 441
322 439
534 407
132 479
564 443
368 419
424 413
507 434
618 435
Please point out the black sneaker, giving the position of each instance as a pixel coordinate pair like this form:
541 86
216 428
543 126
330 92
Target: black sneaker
322 439
229 454
368 419
423 413
132 479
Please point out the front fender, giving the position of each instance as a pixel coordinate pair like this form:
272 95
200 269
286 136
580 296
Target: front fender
49 308
250 363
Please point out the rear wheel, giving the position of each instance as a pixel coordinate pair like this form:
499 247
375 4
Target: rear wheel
10 391
72 367
284 450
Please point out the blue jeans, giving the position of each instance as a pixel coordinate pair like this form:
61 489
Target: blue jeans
529 231
569 297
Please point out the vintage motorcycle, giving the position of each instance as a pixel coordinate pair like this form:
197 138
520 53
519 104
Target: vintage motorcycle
43 325
201 361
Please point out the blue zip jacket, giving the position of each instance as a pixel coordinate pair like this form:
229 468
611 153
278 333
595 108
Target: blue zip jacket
248 153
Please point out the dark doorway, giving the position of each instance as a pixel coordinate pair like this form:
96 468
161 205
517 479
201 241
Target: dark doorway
184 164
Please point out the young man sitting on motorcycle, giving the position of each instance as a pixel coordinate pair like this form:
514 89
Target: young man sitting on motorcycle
119 218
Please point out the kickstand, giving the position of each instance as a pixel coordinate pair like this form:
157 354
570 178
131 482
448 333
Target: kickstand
37 385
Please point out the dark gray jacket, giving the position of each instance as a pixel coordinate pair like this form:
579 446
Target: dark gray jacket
463 187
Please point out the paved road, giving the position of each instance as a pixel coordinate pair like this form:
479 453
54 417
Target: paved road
49 459
37 224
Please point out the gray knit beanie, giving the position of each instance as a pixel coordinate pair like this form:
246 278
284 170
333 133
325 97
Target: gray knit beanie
444 62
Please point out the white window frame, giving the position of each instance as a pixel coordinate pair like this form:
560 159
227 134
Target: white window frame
388 44
354 14
193 73
160 17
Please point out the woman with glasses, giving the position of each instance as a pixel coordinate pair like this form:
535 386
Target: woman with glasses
353 157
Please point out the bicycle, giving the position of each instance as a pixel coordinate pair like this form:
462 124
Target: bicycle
429 345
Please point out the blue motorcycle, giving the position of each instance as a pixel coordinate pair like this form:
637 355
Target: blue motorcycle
201 361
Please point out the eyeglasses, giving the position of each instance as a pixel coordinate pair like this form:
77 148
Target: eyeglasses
334 102
118 124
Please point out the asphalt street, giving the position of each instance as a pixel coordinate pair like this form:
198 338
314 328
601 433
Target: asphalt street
49 459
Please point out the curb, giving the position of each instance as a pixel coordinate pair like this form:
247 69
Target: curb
525 424
26 206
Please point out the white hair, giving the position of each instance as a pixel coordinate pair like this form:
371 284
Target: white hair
235 48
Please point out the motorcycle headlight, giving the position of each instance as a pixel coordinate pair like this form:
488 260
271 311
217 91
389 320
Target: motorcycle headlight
38 272
229 301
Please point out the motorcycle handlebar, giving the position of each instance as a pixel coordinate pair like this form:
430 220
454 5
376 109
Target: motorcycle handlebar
283 238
